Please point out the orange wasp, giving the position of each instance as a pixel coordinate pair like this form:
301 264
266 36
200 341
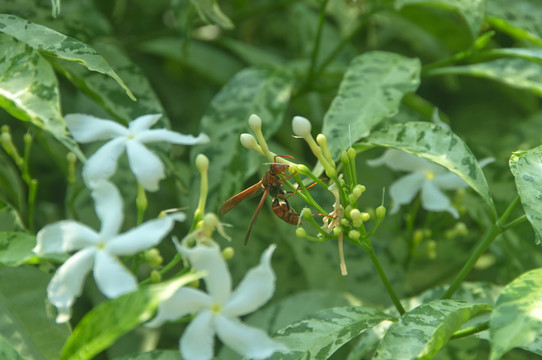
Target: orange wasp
271 183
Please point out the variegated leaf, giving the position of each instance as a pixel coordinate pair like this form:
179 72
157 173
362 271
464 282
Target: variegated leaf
371 90
55 44
521 19
471 10
515 72
525 167
421 332
319 335
517 318
437 144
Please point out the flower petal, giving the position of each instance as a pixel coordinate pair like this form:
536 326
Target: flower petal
111 277
140 238
449 181
183 302
103 163
144 122
64 236
210 260
256 288
434 200
109 208
145 165
171 137
405 189
87 128
198 340
401 161
67 283
248 341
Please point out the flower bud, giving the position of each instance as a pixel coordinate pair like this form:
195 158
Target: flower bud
153 257
300 232
351 154
306 213
355 215
354 234
255 123
27 138
301 126
380 212
202 163
156 277
365 216
228 253
337 230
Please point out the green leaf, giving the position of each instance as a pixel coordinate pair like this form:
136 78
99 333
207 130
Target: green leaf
421 332
10 219
252 91
371 90
113 318
519 18
525 167
516 320
531 54
25 321
471 10
7 351
515 72
153 355
210 12
321 334
438 144
55 44
29 89
16 248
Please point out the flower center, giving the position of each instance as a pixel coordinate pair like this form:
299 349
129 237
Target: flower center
216 308
429 175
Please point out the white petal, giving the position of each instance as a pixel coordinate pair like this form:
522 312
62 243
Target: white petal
64 236
140 238
197 342
143 122
103 163
434 200
210 260
405 189
111 277
109 208
449 181
250 342
171 137
185 301
256 288
145 165
67 283
401 161
87 128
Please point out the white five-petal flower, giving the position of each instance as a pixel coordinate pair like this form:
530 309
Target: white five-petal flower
425 176
146 166
218 311
97 251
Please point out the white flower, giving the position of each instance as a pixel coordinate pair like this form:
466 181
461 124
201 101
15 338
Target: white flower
96 251
146 166
425 176
218 311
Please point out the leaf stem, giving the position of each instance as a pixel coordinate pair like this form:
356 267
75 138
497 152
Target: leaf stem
470 330
481 248
317 42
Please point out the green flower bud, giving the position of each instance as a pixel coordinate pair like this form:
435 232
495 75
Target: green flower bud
354 234
380 212
228 253
365 216
255 123
202 163
300 232
156 277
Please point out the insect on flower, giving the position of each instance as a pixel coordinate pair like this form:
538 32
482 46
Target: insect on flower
271 183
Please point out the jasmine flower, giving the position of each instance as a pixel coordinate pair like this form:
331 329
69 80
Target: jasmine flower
145 165
97 251
218 310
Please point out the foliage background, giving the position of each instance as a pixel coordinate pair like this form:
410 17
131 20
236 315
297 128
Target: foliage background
208 69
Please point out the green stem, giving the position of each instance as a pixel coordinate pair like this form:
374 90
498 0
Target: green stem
317 42
369 250
481 248
514 222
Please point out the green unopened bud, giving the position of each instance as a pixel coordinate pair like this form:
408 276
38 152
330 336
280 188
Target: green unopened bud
380 212
417 238
153 257
228 253
331 173
344 222
300 232
461 229
354 234
344 157
255 123
322 141
365 216
431 249
355 215
351 154
202 163
356 193
306 213
337 230
156 277
27 138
